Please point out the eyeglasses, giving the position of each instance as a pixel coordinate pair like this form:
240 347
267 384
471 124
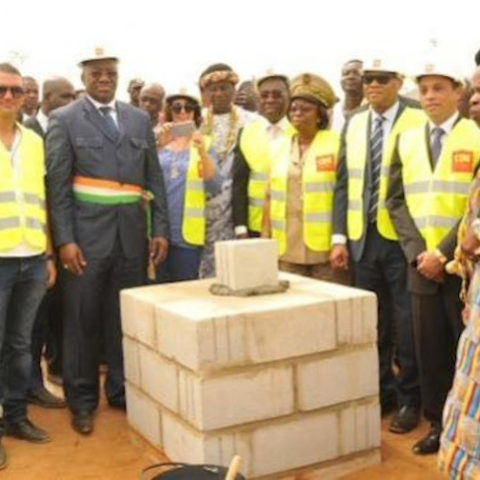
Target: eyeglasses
381 79
187 108
16 92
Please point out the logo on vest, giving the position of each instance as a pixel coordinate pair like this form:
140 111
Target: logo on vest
462 161
325 163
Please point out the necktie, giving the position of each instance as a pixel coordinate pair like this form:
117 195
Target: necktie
108 121
436 146
376 151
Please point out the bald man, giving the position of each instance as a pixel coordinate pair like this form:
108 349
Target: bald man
57 92
475 98
151 101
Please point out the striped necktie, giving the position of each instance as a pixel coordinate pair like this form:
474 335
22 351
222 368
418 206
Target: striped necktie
108 120
376 151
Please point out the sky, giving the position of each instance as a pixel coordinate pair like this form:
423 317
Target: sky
171 42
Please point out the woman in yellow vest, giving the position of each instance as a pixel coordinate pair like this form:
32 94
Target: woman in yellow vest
188 166
298 208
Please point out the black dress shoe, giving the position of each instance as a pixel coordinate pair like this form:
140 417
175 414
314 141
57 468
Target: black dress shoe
82 422
428 444
26 430
3 456
43 398
405 419
119 405
388 406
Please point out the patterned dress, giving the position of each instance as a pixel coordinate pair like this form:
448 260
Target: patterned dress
459 455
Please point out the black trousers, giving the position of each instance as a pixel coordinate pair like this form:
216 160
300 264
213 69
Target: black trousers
92 305
383 270
438 326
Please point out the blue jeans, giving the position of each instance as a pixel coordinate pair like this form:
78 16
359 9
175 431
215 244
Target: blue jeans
22 287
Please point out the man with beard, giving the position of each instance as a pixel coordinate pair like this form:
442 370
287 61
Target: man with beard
254 154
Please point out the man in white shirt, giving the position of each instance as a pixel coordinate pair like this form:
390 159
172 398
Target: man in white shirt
269 129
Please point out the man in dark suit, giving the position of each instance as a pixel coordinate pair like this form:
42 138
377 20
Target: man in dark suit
101 159
432 168
364 234
57 92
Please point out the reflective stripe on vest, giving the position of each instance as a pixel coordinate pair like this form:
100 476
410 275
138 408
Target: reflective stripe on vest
22 196
257 149
437 200
318 181
357 143
193 223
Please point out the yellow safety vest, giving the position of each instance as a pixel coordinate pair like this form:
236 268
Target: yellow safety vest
437 200
193 224
257 149
318 181
357 143
22 196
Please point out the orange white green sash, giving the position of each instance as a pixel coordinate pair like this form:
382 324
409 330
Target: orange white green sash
105 192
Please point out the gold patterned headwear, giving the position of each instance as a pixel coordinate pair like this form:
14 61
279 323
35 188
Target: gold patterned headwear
219 76
314 88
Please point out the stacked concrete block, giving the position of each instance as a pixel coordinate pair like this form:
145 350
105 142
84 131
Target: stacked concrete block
246 263
288 381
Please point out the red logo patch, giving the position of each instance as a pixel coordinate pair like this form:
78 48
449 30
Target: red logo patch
462 161
325 163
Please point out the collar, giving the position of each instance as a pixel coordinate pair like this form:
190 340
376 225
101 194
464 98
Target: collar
389 114
99 105
282 124
42 119
446 126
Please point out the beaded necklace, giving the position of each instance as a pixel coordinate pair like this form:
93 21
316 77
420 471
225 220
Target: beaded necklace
222 151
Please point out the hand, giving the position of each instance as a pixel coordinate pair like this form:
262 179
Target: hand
51 273
470 244
71 257
199 144
430 266
339 257
158 249
163 135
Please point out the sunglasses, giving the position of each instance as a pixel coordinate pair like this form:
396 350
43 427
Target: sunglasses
381 79
16 92
177 108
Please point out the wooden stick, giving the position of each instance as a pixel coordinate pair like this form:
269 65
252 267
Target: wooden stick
233 468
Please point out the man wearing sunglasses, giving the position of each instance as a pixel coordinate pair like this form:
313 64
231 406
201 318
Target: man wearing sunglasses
364 237
26 266
432 168
101 158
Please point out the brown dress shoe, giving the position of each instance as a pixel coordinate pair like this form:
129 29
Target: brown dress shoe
82 422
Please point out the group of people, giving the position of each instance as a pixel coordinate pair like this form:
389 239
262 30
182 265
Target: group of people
98 195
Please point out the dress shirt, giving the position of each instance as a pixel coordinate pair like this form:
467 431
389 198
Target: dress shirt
42 119
112 105
446 126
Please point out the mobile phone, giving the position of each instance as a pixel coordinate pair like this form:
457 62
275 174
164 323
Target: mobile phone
182 129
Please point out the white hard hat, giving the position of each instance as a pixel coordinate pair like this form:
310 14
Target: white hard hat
440 68
189 93
381 65
97 53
